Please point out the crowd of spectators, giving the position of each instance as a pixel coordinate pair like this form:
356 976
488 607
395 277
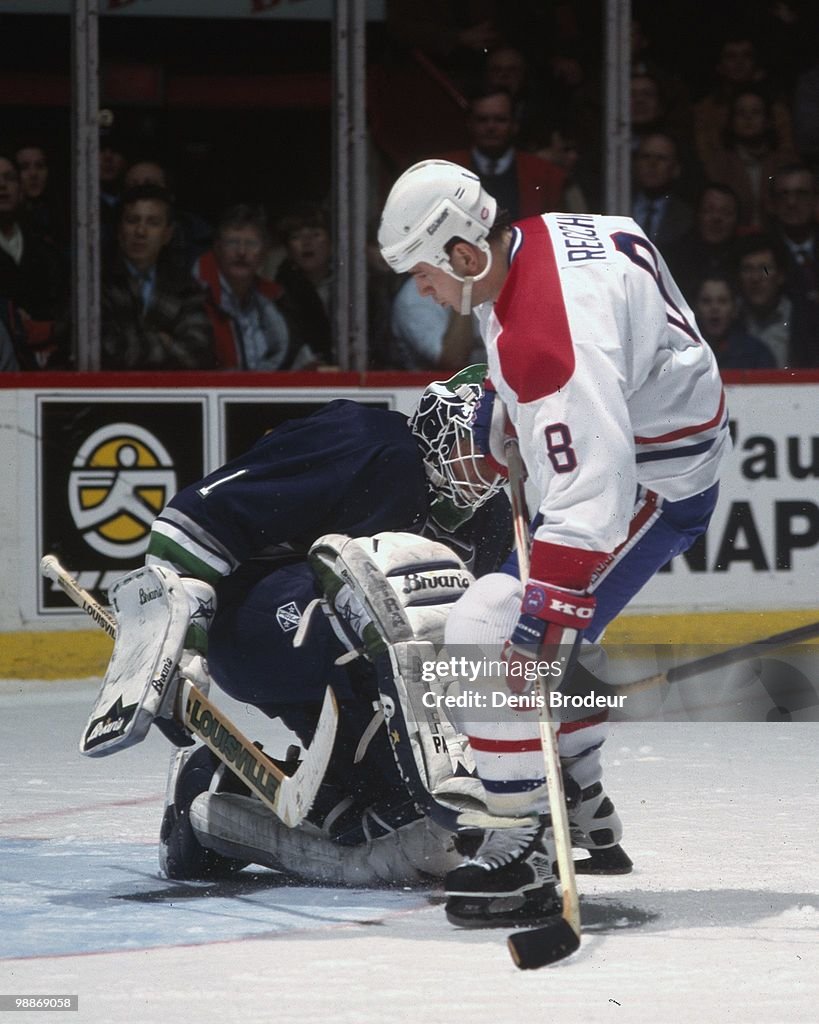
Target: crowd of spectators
724 182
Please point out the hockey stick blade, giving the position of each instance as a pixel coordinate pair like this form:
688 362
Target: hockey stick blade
289 797
539 947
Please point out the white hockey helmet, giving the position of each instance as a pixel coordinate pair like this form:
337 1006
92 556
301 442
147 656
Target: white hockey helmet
430 204
459 477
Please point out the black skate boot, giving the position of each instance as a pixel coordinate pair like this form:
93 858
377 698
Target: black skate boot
596 827
505 881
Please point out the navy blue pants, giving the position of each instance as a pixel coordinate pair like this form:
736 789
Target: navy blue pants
251 657
250 646
660 530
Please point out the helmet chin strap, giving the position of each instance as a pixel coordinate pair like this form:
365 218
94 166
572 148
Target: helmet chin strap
467 283
466 296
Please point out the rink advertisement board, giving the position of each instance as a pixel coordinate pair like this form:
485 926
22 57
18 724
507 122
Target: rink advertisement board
243 418
97 465
762 547
107 463
106 468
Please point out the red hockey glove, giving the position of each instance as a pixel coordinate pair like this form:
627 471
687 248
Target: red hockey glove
551 621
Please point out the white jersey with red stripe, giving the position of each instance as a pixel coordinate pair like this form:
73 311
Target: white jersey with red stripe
605 377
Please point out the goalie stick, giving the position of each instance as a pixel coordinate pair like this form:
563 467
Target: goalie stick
560 938
289 797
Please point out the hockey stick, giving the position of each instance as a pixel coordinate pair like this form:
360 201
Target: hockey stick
719 660
290 797
560 938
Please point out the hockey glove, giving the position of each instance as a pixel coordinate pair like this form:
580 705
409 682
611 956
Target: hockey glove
550 623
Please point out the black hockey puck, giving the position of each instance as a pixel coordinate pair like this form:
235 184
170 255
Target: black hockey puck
539 947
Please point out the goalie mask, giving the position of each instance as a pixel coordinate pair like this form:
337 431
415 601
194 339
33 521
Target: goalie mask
459 477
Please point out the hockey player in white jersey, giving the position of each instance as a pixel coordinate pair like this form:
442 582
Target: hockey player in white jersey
599 370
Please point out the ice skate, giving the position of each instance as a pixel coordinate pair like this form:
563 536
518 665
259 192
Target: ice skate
596 827
506 879
181 856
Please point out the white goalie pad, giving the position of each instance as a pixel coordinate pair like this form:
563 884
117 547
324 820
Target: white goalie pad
152 615
393 592
240 827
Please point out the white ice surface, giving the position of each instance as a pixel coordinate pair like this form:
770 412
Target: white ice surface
718 923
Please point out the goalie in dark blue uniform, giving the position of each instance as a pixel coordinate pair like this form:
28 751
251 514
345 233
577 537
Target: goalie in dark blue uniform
240 539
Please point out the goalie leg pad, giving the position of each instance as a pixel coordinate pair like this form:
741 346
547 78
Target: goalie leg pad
241 827
393 593
152 613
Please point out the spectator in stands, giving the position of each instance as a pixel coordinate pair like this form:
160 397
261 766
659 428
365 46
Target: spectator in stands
710 244
561 148
41 211
788 327
153 312
382 287
12 339
31 272
793 204
736 69
306 277
806 116
427 336
646 107
650 116
113 161
27 344
751 153
192 235
672 89
656 206
523 184
250 332
508 70
716 305
8 357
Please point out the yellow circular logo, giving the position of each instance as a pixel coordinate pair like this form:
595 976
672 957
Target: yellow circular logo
121 478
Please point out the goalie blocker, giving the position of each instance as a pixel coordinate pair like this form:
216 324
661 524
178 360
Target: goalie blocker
131 697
